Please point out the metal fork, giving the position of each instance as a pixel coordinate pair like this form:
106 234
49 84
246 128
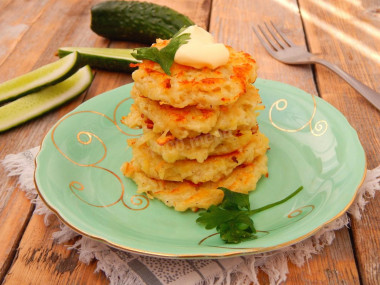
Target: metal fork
283 49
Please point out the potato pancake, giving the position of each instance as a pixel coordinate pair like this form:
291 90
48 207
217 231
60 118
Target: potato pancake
198 148
188 86
187 195
192 121
212 169
200 129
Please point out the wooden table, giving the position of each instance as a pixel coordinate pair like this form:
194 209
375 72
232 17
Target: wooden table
345 32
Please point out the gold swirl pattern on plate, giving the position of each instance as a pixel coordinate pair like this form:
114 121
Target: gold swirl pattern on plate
319 128
138 202
89 137
300 211
80 140
75 185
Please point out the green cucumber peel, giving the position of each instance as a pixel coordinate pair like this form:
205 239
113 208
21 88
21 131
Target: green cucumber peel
39 78
38 103
111 59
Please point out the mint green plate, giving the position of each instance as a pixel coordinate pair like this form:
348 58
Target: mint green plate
311 144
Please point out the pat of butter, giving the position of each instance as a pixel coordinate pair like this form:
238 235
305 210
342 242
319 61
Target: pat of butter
201 50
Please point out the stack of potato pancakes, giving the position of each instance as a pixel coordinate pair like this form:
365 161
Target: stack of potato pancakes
199 132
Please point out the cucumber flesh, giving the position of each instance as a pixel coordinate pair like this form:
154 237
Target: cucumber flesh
37 79
35 104
112 59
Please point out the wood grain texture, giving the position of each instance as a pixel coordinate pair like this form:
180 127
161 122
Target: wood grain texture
333 267
37 46
44 260
50 24
348 40
197 11
12 225
348 34
41 261
14 25
63 23
340 257
232 21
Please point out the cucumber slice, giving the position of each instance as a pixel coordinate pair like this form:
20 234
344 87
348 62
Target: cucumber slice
35 104
37 79
112 59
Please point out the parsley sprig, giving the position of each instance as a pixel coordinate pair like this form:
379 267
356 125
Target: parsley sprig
165 56
232 217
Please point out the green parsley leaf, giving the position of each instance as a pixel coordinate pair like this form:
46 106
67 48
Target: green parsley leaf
232 217
215 216
234 201
165 56
237 230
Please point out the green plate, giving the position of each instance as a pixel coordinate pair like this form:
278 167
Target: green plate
311 144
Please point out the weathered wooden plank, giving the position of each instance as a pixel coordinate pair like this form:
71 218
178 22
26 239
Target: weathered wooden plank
197 11
30 135
45 35
15 209
232 22
235 29
32 52
366 235
15 24
334 266
37 260
12 225
41 261
344 34
50 30
348 34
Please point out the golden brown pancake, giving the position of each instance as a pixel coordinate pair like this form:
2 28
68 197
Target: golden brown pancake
212 169
188 86
198 148
191 121
200 132
187 195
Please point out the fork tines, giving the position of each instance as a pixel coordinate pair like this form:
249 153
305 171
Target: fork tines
275 37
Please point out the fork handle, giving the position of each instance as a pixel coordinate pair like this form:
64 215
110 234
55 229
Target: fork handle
371 95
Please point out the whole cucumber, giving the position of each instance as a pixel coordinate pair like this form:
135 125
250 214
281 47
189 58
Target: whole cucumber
135 21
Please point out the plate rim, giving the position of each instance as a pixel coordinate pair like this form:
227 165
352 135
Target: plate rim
230 253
